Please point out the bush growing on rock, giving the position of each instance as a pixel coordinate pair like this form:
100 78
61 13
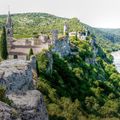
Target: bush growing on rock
3 97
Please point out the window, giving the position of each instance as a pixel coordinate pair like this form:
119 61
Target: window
15 56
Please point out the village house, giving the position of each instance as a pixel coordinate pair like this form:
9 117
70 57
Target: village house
80 35
19 49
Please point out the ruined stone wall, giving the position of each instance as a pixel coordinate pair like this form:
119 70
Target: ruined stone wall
62 46
21 57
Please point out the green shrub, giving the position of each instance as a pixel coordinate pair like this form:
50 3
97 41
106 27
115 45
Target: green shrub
3 97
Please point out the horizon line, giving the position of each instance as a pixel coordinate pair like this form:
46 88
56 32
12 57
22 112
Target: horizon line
15 13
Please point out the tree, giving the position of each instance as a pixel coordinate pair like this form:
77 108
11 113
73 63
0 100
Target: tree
30 53
3 45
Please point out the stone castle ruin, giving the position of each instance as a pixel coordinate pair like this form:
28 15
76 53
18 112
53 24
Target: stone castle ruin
80 35
19 49
61 45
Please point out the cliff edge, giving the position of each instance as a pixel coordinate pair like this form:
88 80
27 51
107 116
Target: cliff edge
27 103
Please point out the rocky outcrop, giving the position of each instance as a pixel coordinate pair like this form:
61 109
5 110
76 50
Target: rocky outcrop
26 106
6 112
16 75
62 46
27 103
50 63
92 60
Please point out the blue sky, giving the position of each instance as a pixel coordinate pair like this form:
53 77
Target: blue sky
97 13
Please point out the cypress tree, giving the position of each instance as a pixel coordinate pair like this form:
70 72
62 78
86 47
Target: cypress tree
3 45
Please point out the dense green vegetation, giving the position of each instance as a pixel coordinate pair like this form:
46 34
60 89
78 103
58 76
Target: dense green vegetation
77 89
28 24
113 31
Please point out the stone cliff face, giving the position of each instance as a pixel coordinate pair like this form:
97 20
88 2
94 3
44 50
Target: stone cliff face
95 52
62 46
28 103
16 75
6 112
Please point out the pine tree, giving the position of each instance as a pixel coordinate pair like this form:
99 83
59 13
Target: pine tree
30 53
3 45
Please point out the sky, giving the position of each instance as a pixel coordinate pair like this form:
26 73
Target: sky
97 13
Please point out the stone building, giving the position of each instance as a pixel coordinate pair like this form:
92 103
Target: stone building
80 35
61 45
83 35
19 49
43 38
65 30
9 30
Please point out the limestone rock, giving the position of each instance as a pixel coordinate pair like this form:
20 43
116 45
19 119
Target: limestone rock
6 112
62 46
16 75
50 63
30 105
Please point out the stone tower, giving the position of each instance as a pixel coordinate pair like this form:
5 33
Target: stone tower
54 36
65 29
9 30
86 32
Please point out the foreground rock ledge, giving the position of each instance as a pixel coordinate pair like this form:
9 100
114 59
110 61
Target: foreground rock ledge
28 103
25 106
16 75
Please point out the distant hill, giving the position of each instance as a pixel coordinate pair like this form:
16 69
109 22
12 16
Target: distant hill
107 38
113 31
25 25
28 24
107 34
